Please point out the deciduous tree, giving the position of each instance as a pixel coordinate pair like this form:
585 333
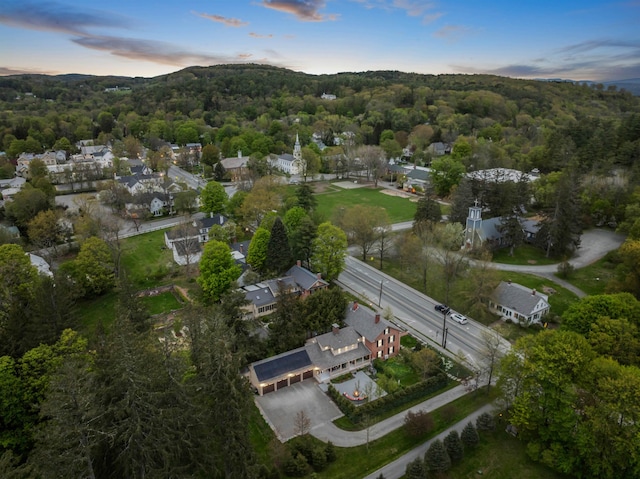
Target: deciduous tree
218 270
329 251
213 198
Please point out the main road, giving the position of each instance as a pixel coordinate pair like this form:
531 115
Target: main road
415 312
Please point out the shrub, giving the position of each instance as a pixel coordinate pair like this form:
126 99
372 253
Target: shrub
415 469
296 466
330 452
448 412
418 423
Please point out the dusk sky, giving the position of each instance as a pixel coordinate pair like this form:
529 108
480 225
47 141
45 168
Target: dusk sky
578 40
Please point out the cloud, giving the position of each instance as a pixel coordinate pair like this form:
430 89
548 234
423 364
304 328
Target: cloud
413 8
258 35
305 10
451 33
229 22
56 17
6 71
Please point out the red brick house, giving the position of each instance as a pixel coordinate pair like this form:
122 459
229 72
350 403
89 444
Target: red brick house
382 338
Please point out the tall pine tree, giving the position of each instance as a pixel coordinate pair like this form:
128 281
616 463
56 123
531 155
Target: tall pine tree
278 252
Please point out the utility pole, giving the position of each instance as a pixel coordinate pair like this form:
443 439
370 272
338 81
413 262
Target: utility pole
380 295
445 330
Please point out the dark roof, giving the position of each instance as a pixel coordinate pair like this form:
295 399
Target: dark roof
342 338
209 221
260 296
363 320
305 278
283 363
418 174
184 247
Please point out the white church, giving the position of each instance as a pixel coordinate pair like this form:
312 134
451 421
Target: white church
291 164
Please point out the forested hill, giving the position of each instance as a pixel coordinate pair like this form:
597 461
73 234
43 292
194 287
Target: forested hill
519 117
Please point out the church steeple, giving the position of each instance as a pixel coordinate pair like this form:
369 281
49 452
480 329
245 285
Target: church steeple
297 149
474 223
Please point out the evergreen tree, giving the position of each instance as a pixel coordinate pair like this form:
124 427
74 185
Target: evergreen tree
469 435
511 230
428 210
462 198
485 422
301 240
453 444
219 172
436 459
305 197
278 252
560 230
415 469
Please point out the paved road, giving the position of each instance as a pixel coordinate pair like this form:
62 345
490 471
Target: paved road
415 311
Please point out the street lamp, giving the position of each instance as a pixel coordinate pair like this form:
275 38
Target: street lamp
445 330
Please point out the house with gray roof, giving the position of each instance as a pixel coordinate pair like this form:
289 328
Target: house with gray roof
519 304
365 337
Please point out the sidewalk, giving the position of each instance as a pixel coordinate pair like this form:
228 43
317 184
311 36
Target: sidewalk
330 432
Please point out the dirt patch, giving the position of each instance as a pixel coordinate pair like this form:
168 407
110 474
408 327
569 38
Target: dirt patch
400 193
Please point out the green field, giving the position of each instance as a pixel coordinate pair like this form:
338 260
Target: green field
593 279
162 303
398 209
524 254
146 259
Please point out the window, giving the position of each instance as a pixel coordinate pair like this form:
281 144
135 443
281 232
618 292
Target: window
391 350
380 343
380 353
392 338
386 331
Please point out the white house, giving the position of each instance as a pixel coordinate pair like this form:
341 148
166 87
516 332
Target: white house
187 251
519 304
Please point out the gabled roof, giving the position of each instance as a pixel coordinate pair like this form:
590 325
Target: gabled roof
276 366
305 278
338 339
518 298
259 296
235 162
287 157
363 320
209 221
187 246
418 174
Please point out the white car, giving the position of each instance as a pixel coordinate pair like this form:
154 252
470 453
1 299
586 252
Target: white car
458 318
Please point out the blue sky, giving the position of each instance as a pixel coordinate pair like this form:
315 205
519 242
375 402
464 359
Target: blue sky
579 40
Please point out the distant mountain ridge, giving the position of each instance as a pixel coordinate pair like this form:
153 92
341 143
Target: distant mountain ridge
631 85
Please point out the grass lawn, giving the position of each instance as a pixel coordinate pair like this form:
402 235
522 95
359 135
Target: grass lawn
500 456
260 435
147 260
525 254
91 312
354 462
593 279
162 303
398 209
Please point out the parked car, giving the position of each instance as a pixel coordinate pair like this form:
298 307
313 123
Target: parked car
443 308
458 318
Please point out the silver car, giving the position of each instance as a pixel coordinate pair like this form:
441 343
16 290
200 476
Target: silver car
458 318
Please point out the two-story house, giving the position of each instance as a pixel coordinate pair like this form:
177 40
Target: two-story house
382 338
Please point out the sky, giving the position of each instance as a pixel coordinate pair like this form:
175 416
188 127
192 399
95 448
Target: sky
577 40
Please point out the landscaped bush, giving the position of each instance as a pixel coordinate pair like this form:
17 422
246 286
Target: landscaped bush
390 401
469 435
418 423
453 444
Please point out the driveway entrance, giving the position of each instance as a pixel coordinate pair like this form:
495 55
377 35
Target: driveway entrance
279 408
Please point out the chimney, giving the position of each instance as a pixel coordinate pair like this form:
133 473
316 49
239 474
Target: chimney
241 248
533 292
355 306
239 153
335 328
319 275
299 263
210 214
377 318
221 220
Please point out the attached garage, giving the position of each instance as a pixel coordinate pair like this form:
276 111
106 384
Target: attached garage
307 374
280 371
296 378
283 383
269 388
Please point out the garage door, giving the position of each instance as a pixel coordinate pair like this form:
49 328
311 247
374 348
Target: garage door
295 379
269 388
282 384
307 374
